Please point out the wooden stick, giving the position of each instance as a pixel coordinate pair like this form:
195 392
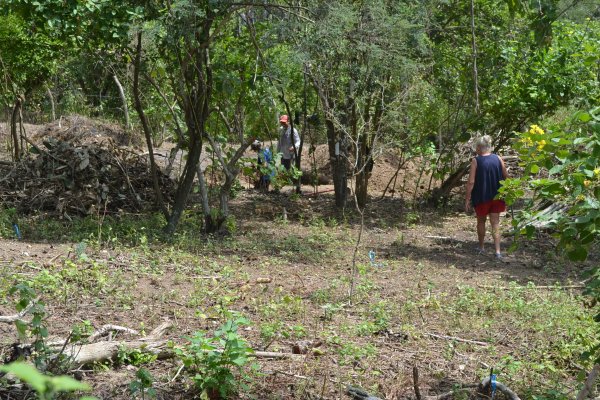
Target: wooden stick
457 339
110 328
588 386
9 319
532 287
416 382
447 395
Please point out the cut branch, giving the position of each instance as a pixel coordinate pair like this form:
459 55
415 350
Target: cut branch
111 328
457 339
9 319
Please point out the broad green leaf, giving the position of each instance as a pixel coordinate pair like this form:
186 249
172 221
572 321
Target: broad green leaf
68 384
579 253
27 373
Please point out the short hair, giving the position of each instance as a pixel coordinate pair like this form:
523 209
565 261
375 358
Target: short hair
483 143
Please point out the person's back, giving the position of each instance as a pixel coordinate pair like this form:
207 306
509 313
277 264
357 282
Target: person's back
487 178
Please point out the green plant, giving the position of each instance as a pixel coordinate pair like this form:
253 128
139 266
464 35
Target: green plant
46 387
127 356
35 328
211 361
142 385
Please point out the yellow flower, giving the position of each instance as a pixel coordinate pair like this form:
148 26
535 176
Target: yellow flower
536 130
580 197
587 183
527 141
541 144
596 171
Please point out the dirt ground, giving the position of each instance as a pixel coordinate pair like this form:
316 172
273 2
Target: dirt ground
288 268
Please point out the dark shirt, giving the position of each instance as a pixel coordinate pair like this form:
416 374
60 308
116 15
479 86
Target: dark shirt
487 178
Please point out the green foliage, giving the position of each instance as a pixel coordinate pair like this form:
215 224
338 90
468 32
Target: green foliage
570 153
136 357
28 57
46 387
35 328
141 387
211 361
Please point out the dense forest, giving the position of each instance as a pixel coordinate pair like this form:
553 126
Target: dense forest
143 256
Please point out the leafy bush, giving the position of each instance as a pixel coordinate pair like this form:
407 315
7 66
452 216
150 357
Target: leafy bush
570 155
211 361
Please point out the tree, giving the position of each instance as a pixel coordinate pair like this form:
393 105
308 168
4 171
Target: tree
527 68
27 59
361 58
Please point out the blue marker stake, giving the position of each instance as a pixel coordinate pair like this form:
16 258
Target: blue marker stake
372 257
17 231
493 383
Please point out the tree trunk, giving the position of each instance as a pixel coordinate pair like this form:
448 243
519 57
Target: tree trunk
145 126
185 184
51 99
338 164
122 92
13 129
362 174
203 191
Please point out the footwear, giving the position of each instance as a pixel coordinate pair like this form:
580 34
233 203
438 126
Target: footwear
479 251
499 256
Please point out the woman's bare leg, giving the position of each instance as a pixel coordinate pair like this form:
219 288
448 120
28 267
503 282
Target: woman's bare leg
481 230
495 222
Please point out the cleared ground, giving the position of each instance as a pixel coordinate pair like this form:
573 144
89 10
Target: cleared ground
291 277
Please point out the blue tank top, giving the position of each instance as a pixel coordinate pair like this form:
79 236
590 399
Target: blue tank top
487 179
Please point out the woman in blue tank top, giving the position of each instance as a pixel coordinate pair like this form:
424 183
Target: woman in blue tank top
486 173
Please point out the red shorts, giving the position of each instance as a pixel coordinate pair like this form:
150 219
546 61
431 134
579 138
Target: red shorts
492 206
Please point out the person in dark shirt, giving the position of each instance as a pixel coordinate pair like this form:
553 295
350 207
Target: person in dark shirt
264 165
486 173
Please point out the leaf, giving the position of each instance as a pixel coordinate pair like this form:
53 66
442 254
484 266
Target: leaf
68 384
534 169
579 253
27 373
584 117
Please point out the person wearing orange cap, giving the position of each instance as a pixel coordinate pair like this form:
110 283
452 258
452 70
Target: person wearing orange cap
286 144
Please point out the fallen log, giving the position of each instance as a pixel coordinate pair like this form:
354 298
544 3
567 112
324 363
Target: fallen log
81 354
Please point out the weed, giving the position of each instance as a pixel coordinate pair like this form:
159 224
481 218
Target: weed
136 357
142 385
211 361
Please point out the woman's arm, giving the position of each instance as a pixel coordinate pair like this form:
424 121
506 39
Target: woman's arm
504 170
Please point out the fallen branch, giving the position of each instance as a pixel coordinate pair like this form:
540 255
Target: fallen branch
110 328
9 319
416 382
549 287
153 344
457 339
589 384
94 352
448 395
438 237
484 387
277 355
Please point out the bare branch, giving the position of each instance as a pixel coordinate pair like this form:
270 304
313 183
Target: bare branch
110 328
9 319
